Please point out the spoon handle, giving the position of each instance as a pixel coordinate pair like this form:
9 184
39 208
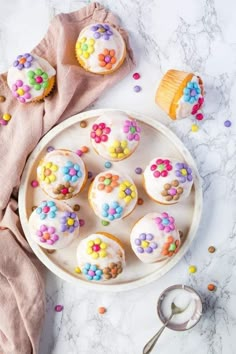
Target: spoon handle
151 343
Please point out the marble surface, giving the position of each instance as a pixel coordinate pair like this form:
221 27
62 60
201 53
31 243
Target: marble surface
199 36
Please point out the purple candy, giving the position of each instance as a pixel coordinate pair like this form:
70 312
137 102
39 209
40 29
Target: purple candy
153 245
50 148
149 237
107 59
137 88
142 236
148 250
140 250
137 242
127 191
138 170
96 35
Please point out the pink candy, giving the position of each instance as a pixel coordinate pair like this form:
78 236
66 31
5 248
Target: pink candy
34 183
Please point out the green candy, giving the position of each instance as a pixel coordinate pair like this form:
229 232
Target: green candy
37 87
45 76
45 84
172 247
107 181
132 130
38 72
161 167
31 74
32 81
84 47
105 223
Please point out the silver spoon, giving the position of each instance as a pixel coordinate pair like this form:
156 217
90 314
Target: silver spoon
151 343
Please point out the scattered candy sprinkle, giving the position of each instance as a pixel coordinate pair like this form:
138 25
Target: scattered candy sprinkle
2 98
136 76
192 269
199 116
90 174
195 128
79 152
81 222
58 308
140 201
107 164
50 148
137 88
138 170
34 183
3 122
105 223
77 270
227 123
84 149
76 207
211 287
83 124
5 119
211 249
102 310
34 207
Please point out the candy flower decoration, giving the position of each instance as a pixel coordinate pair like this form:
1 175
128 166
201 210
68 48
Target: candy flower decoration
183 172
97 248
112 211
64 190
165 223
132 129
107 58
108 182
112 271
47 172
170 247
71 172
101 31
127 191
69 222
47 209
145 243
100 132
161 168
23 61
47 234
172 191
21 91
191 92
38 79
85 47
198 105
119 149
92 272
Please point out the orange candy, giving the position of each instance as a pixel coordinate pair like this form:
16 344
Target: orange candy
101 57
170 239
84 149
106 52
47 172
102 310
211 287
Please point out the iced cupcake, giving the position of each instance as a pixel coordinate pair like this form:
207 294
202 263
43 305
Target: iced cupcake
100 48
101 257
180 94
30 78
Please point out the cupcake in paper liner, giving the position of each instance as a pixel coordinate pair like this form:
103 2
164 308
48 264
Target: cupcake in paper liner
31 78
180 94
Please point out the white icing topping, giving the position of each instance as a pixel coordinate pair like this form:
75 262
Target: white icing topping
98 198
116 122
152 236
115 42
65 238
15 74
114 252
154 186
60 158
184 109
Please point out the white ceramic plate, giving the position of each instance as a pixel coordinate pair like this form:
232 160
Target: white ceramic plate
156 140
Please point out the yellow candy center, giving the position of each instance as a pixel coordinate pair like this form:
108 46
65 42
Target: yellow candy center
144 244
20 92
70 222
184 172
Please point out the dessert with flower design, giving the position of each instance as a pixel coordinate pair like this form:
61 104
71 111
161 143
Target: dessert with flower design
115 135
100 48
31 78
53 225
155 237
61 174
112 195
168 180
101 256
180 94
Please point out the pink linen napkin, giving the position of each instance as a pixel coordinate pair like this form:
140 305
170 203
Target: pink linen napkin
22 298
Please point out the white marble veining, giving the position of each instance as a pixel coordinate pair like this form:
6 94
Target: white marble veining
194 35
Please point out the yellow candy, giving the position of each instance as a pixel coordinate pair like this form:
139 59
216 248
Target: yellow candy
113 155
97 241
133 194
184 172
192 269
144 244
195 128
128 199
83 39
90 243
86 55
126 151
20 92
77 270
103 245
6 116
47 180
103 254
70 221
48 165
52 178
90 50
95 255
122 195
89 250
127 183
123 143
54 168
91 41
120 155
132 188
78 45
80 51
116 144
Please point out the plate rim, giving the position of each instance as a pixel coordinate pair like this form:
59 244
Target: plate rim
63 274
